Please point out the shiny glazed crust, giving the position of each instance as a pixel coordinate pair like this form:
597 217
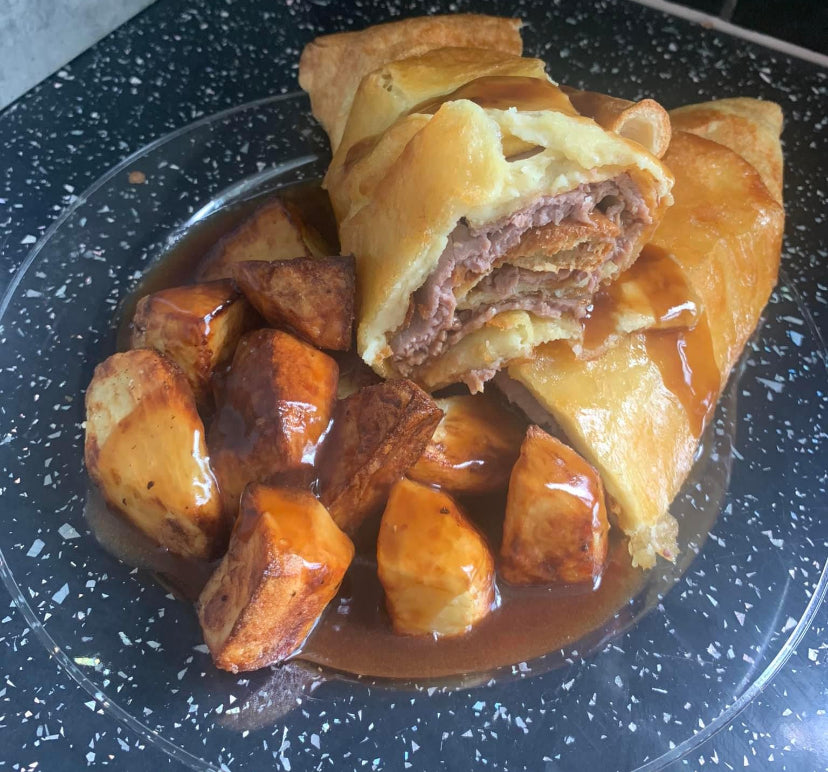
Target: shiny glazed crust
725 231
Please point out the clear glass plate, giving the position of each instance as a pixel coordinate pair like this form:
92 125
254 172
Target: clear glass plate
698 643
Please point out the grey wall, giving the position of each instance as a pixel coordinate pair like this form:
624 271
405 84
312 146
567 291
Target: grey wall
38 37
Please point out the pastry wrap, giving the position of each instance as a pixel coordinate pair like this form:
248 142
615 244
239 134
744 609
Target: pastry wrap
675 325
483 210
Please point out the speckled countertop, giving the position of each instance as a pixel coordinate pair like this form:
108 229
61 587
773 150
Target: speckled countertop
179 61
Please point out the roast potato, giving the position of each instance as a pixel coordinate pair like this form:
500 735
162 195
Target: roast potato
276 401
435 568
145 450
377 434
198 327
313 297
555 529
285 562
473 447
275 231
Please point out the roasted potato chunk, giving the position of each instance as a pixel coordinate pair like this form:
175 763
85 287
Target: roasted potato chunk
377 434
285 562
275 231
473 448
276 401
198 327
145 450
555 530
435 567
314 297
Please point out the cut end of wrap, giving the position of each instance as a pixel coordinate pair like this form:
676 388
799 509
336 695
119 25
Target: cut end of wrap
645 122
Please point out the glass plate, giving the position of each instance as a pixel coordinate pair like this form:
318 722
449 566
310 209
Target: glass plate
669 670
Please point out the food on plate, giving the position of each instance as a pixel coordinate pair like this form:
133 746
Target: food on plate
604 261
483 210
637 410
197 326
145 451
285 563
377 434
473 448
314 297
435 567
276 403
275 231
555 528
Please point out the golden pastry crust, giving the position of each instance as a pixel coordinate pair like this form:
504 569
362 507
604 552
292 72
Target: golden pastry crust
621 410
331 67
397 88
749 127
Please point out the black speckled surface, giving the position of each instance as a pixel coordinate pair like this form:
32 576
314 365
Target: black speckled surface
180 61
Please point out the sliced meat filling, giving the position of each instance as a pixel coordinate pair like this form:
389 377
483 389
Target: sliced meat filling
549 258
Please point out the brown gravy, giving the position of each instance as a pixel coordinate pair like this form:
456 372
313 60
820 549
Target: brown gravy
688 367
654 286
678 341
354 634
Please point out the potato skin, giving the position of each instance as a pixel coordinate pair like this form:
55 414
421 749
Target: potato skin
473 448
285 563
275 404
555 530
311 296
377 434
275 231
435 567
197 326
145 450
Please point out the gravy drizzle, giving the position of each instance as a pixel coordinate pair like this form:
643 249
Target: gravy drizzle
688 367
677 333
653 288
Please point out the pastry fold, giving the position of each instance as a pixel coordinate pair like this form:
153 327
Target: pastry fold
331 67
636 406
484 211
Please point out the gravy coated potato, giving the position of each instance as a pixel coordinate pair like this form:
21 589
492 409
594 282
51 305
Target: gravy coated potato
312 296
275 403
473 448
198 327
377 434
275 231
285 563
555 530
145 450
435 568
